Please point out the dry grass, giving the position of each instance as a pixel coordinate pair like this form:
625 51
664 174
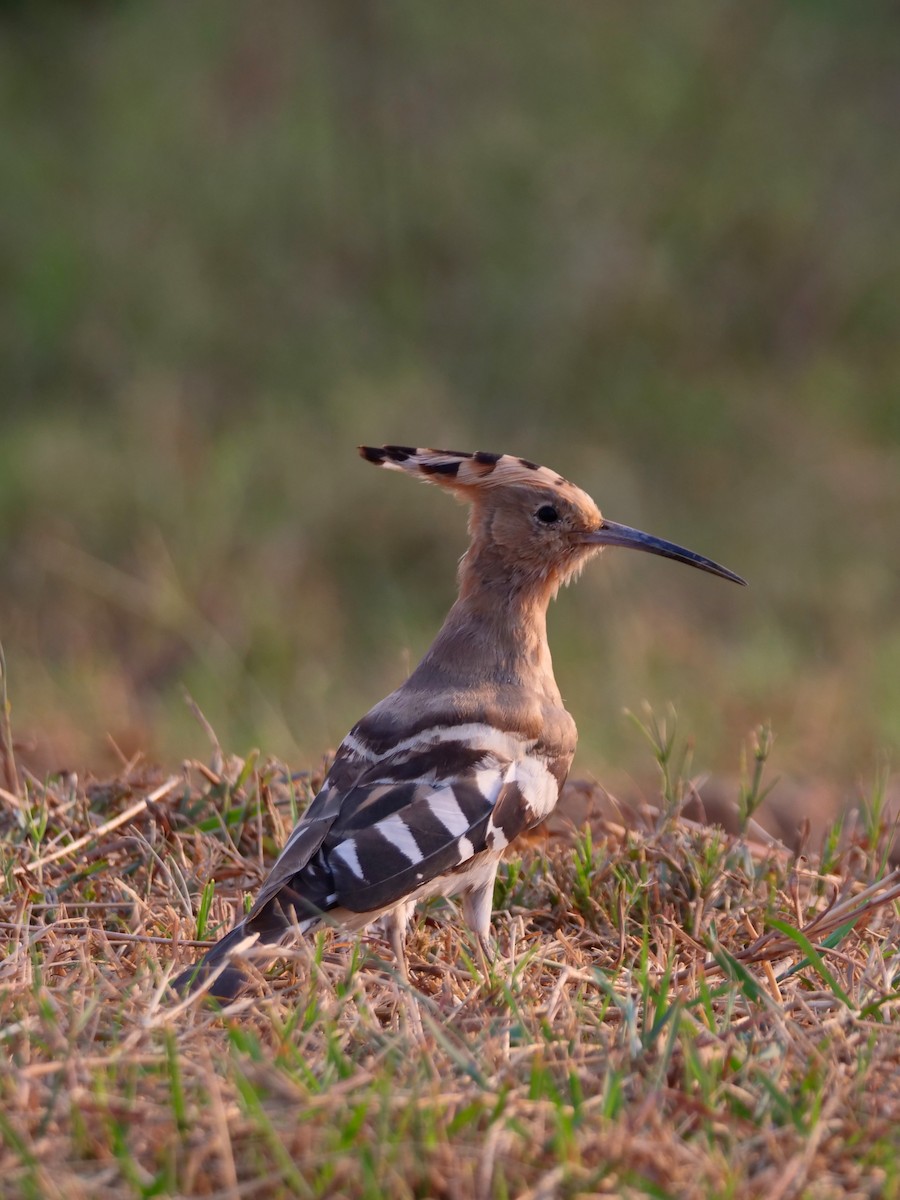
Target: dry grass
671 1013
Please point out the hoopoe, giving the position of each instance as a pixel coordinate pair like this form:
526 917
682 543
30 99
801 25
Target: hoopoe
427 790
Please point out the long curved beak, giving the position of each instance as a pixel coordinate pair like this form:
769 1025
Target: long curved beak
611 533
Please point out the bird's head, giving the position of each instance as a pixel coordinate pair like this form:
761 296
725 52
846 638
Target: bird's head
528 524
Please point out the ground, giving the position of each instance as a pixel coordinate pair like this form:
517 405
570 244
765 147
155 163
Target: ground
672 1011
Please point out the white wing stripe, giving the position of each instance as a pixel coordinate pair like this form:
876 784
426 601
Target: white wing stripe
495 838
476 734
346 851
488 781
395 829
537 784
465 848
446 808
357 745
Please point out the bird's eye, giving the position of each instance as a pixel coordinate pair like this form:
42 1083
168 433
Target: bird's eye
547 514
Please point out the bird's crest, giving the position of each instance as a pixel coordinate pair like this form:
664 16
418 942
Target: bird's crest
462 471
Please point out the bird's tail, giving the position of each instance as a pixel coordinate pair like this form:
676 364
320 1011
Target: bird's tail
268 927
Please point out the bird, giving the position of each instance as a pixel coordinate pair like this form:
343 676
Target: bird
430 787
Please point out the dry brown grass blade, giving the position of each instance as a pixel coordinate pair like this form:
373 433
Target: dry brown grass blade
107 827
775 945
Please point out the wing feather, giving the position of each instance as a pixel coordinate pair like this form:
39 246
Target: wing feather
385 825
307 836
380 864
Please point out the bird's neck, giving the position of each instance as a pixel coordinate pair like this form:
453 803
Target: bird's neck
495 633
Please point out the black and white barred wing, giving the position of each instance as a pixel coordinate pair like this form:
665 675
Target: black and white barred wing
437 801
383 828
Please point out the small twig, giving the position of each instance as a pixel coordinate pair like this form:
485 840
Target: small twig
114 937
218 757
15 801
122 819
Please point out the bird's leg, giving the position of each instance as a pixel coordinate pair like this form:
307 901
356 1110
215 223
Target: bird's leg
485 955
477 906
397 921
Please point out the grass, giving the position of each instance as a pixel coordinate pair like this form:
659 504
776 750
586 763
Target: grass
671 1011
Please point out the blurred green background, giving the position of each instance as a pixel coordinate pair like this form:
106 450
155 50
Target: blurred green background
653 246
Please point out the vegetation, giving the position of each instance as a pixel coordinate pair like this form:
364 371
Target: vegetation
671 1012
